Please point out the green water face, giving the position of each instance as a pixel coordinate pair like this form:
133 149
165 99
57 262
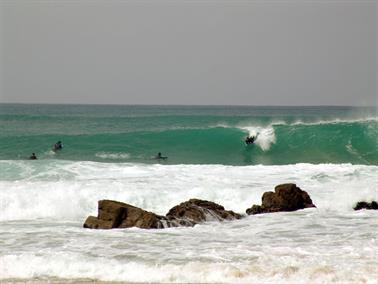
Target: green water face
191 135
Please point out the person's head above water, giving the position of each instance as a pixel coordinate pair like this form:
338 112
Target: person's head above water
160 157
58 145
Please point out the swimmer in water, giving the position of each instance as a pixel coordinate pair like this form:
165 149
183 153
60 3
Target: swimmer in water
160 157
58 146
33 157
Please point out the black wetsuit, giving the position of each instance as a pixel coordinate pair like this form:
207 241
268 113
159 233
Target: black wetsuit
58 146
33 157
250 140
160 157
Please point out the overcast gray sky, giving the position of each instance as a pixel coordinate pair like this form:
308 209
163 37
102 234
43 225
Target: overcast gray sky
189 52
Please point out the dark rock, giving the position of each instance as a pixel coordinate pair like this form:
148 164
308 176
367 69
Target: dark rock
197 211
255 209
114 214
366 205
95 223
286 197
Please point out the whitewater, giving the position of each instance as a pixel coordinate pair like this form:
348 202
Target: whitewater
329 152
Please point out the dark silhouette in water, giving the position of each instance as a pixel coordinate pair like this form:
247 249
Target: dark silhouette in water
250 140
58 146
33 157
160 157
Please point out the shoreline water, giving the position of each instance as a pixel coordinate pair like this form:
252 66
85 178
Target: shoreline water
45 208
66 281
307 246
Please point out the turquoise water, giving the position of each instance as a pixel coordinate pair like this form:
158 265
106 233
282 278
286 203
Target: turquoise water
191 134
330 152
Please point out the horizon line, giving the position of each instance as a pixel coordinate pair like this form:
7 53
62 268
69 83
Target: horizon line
183 105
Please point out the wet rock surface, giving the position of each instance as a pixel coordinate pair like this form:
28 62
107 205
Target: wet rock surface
198 211
286 197
366 205
114 214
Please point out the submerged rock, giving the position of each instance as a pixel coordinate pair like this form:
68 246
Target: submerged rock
366 205
286 197
114 214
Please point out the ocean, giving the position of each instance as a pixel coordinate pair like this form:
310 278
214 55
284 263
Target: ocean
108 153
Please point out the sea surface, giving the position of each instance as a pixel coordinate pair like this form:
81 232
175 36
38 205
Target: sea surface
108 153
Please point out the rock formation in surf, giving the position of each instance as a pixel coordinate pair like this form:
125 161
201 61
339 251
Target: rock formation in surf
286 197
366 205
114 214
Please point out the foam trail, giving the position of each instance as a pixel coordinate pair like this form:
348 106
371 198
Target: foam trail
113 156
75 267
335 121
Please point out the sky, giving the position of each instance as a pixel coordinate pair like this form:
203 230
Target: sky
189 52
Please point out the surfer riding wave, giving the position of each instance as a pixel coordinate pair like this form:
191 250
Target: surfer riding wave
250 140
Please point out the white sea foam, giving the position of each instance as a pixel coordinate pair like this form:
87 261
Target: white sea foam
298 247
253 128
44 203
335 121
113 156
64 189
288 270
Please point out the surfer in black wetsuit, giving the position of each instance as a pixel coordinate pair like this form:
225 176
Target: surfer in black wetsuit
250 140
160 157
33 157
58 146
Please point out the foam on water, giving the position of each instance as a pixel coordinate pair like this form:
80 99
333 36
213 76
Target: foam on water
112 156
70 190
331 152
45 202
334 121
297 247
